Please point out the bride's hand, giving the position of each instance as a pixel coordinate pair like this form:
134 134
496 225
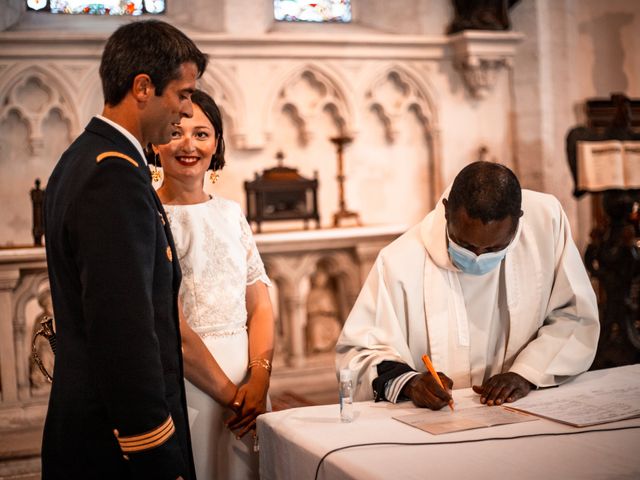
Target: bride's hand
249 402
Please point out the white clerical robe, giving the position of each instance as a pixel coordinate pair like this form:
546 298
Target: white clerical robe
488 324
412 303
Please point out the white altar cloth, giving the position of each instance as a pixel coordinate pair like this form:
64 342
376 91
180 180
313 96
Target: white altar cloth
292 442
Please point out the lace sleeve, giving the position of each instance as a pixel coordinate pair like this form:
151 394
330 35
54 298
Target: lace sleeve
255 267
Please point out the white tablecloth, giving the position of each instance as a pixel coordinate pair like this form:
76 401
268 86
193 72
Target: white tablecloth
292 442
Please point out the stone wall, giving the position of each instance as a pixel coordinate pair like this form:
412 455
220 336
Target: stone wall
572 50
415 104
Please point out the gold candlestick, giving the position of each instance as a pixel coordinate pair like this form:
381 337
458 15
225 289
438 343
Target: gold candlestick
343 213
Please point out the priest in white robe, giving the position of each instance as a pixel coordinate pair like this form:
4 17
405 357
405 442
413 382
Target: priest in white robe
490 285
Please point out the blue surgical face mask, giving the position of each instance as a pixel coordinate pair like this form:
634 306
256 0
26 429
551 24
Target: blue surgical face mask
471 263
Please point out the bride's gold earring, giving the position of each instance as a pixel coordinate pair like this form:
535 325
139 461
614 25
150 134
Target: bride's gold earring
155 173
214 176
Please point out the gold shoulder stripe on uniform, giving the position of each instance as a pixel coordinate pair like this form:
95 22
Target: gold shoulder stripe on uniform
104 155
146 441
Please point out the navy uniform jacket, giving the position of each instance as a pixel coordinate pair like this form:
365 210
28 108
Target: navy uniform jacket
117 408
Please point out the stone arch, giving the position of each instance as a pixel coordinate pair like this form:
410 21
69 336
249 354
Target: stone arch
395 91
326 91
90 97
231 102
48 94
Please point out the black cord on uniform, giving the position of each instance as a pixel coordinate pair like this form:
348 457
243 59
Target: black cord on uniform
373 444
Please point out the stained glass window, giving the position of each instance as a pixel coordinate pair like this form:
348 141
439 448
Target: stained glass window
98 7
307 11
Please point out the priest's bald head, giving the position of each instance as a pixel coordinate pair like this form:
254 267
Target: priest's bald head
482 213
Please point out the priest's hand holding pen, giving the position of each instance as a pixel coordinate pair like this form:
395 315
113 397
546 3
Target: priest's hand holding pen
430 389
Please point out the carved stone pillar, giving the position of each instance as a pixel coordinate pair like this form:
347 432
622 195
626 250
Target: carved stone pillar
297 318
290 272
23 359
8 281
18 270
27 290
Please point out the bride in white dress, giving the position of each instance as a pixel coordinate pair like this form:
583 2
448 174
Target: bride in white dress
226 319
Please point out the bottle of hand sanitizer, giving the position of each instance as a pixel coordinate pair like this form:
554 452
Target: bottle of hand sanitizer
346 395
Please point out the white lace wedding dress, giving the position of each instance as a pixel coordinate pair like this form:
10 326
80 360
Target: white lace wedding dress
219 258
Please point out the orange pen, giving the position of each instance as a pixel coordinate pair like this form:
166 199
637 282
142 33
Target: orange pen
434 374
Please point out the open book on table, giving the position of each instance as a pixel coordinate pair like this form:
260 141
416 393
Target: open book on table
608 164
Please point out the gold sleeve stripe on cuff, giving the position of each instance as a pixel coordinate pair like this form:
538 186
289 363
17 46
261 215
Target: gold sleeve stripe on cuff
151 444
104 155
150 436
141 440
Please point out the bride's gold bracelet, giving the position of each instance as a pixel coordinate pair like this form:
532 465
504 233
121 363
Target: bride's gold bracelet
260 362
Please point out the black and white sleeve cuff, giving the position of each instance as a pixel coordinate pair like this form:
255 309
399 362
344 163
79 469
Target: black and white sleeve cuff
393 387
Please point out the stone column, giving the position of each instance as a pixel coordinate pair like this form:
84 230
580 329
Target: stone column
8 281
291 271
297 318
23 359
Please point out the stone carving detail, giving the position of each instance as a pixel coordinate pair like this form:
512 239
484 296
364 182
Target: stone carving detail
397 92
308 93
36 98
312 286
392 95
33 285
323 316
480 74
289 272
480 56
334 286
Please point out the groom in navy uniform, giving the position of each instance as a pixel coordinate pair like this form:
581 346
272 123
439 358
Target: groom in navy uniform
117 408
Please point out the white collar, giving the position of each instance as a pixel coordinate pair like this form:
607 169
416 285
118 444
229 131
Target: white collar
127 134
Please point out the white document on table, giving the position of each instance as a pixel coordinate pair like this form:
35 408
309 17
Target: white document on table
446 421
614 397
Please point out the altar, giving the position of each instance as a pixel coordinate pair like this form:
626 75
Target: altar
312 443
292 259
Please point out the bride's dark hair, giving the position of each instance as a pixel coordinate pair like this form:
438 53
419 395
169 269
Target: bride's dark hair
212 112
